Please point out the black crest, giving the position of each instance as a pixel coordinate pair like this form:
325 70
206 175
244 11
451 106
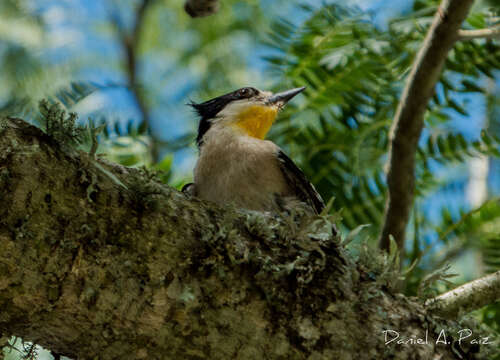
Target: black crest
209 109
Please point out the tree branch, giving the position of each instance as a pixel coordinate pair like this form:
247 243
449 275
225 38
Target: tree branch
201 8
90 268
409 118
489 33
131 43
466 298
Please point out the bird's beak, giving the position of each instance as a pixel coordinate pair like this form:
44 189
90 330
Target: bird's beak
282 98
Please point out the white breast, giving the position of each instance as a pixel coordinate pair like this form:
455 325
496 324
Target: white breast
238 169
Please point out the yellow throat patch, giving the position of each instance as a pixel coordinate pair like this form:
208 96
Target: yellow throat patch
257 120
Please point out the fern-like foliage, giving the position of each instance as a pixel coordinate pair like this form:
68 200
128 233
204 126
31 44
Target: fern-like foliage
76 91
63 128
446 148
354 73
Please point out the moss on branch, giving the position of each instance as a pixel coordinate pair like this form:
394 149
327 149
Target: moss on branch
141 271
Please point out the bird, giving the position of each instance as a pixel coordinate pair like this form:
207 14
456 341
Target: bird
237 165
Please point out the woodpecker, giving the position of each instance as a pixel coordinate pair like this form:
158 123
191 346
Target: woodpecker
237 165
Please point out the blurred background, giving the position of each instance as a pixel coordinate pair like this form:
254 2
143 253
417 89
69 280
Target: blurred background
135 64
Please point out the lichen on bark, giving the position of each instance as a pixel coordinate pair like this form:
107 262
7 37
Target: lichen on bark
143 271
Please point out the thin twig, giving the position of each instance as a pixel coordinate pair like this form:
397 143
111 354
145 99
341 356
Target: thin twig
131 42
132 49
466 216
488 33
466 298
409 118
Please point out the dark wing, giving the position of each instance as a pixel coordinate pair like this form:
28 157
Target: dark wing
189 189
299 184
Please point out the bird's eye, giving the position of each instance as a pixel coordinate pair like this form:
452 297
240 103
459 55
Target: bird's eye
244 92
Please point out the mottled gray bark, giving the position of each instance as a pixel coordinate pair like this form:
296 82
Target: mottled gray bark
468 297
97 261
488 33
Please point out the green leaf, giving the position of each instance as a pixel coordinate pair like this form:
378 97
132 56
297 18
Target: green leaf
456 107
353 234
165 164
471 87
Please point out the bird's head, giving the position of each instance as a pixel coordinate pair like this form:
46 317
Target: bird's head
249 110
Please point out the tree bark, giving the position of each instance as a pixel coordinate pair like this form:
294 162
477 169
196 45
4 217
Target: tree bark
468 297
101 261
488 33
